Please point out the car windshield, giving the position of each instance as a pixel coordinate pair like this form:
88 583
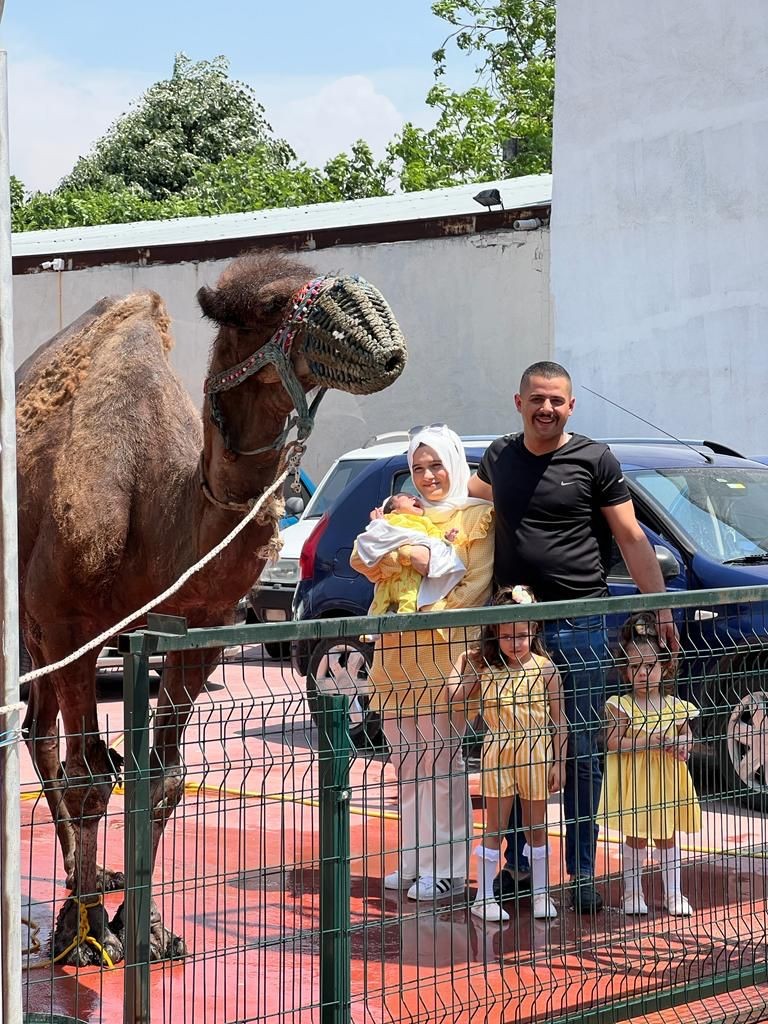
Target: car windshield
343 473
723 512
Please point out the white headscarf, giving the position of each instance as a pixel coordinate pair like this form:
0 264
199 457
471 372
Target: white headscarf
450 451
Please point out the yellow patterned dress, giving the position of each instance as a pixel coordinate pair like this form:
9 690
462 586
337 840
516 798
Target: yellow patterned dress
649 793
410 670
517 751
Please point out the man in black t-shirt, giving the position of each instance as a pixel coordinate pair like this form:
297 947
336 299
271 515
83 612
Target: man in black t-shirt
558 499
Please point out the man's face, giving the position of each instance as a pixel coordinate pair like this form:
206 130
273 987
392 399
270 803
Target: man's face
545 405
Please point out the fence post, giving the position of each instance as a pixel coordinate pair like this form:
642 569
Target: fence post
333 778
138 838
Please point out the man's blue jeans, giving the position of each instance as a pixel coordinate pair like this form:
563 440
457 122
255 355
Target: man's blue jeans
579 649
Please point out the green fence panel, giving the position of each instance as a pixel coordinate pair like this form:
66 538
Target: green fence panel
334 752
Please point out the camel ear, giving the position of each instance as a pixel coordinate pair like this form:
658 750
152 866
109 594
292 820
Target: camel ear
214 308
275 295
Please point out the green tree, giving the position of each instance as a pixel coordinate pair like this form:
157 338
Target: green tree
502 126
198 116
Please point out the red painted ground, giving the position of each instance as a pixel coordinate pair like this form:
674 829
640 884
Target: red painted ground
241 875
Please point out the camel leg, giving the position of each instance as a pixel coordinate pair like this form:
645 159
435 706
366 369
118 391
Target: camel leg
86 786
42 739
184 676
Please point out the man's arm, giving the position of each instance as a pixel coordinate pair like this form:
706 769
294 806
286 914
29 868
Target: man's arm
641 562
479 488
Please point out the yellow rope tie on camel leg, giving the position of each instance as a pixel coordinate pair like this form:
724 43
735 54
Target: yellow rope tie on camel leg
83 935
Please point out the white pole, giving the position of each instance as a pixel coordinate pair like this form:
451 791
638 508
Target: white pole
10 823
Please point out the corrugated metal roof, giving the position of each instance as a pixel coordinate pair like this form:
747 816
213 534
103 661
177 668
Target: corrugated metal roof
516 193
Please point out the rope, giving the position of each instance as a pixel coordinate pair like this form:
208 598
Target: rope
83 935
100 640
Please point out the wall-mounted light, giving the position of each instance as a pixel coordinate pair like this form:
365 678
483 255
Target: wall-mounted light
526 224
489 198
56 264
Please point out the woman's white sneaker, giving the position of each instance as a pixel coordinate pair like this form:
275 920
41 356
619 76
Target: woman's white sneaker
489 910
635 904
428 888
394 880
678 905
543 907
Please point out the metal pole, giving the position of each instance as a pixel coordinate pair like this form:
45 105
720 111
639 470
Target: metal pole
10 821
334 750
138 839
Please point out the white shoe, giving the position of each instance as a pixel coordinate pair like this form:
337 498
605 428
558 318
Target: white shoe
428 888
677 905
635 904
394 880
543 907
489 910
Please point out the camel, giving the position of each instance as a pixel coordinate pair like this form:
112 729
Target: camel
122 487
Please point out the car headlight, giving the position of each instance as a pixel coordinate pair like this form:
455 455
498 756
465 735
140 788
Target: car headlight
284 571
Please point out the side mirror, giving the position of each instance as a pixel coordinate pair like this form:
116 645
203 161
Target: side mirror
294 506
669 565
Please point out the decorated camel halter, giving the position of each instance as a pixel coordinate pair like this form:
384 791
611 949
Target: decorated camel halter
276 351
346 325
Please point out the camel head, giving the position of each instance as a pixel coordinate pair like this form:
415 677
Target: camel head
282 325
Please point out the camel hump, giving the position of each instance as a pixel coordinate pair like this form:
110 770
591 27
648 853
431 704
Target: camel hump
55 370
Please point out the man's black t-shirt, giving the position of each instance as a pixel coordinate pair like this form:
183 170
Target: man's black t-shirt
550 532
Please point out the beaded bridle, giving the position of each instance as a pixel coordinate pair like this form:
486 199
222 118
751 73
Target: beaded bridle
329 310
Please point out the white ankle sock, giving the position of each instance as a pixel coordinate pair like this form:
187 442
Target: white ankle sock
670 871
633 860
487 869
538 859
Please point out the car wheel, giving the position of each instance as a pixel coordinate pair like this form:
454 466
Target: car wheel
341 665
278 650
743 746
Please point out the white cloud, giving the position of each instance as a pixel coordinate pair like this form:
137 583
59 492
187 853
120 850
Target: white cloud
322 122
56 112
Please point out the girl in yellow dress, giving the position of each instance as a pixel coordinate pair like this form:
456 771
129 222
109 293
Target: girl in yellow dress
524 749
648 793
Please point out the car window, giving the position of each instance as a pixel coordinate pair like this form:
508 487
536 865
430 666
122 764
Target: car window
723 511
342 474
402 483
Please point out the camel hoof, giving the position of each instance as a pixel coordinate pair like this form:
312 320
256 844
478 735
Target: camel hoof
66 950
109 881
163 944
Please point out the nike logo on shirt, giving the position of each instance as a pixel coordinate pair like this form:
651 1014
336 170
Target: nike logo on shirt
567 483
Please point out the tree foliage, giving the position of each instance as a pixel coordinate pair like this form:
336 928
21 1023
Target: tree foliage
198 116
513 42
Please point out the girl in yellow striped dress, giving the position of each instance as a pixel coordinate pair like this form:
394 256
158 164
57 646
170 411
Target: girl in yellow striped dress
648 793
524 749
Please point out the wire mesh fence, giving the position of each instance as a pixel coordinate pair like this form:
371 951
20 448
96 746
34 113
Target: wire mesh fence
560 824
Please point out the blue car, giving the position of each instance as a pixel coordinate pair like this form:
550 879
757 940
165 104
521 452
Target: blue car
704 509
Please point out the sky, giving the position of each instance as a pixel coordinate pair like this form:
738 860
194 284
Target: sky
327 73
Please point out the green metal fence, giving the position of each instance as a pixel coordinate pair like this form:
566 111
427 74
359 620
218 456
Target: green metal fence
273 868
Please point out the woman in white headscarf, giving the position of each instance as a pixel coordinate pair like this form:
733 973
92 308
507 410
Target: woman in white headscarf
410 670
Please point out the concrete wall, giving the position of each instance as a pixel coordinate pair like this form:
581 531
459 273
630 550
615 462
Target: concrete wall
475 310
660 213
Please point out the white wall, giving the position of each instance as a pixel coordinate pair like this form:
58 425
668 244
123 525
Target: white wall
660 213
475 311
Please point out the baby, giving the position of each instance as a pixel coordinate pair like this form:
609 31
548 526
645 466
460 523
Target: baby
404 523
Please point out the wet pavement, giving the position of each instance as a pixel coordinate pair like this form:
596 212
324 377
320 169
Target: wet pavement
238 877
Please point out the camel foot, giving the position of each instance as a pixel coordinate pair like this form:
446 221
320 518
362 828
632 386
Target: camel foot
82 936
163 944
106 880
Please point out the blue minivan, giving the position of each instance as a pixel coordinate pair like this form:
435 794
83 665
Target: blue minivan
704 509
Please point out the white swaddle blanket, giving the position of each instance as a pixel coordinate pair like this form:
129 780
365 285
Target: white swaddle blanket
446 569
